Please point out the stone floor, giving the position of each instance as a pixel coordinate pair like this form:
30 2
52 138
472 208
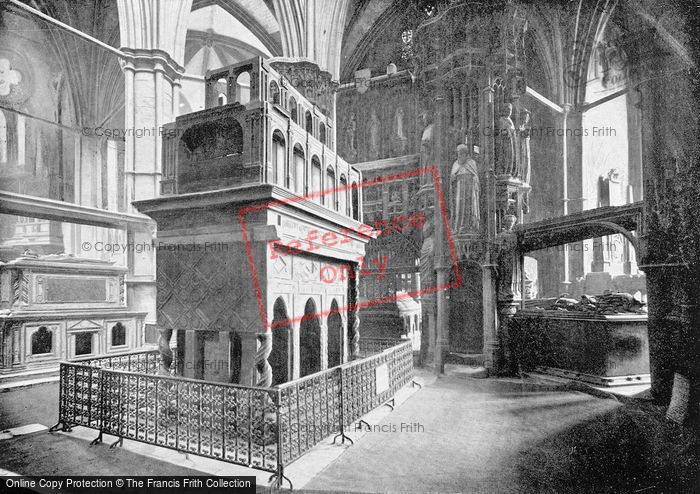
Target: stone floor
457 434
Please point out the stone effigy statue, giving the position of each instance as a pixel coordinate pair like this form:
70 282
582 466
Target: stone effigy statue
427 254
426 147
505 143
524 162
349 134
464 189
524 132
399 138
507 260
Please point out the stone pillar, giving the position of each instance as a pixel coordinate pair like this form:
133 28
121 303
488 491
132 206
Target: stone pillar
152 36
295 351
566 282
490 320
194 366
442 258
324 341
508 298
151 81
670 232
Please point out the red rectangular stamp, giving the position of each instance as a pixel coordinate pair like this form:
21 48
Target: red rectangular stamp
332 246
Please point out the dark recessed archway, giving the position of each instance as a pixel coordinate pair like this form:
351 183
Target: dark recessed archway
310 340
280 357
335 336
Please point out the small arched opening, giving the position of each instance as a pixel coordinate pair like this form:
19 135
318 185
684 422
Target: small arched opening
322 133
310 340
309 123
280 357
342 195
299 175
274 93
243 88
118 335
335 336
331 192
278 159
355 200
293 109
316 180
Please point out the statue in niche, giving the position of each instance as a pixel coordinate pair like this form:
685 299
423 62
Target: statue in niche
508 260
524 132
374 136
399 139
427 265
505 143
426 147
399 123
524 171
464 191
350 136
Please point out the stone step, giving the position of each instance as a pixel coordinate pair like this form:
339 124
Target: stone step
471 359
29 377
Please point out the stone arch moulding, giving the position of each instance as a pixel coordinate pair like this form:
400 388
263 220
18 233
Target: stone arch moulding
619 229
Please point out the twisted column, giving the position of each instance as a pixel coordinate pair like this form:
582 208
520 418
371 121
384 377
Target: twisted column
166 353
261 355
353 314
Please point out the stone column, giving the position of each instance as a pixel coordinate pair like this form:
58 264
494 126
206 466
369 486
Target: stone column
508 299
324 341
353 313
194 366
152 35
490 320
566 282
442 258
262 354
250 345
295 351
152 78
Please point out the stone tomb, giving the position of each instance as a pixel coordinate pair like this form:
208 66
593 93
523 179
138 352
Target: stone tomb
57 307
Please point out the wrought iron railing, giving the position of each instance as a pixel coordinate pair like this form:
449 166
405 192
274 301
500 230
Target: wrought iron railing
370 346
147 361
310 410
262 428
